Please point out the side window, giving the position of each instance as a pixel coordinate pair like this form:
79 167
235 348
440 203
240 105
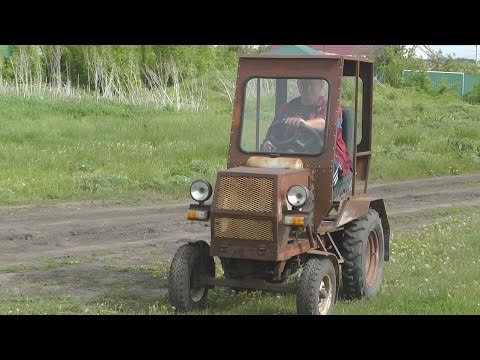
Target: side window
258 112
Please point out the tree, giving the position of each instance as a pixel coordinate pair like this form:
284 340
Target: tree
392 60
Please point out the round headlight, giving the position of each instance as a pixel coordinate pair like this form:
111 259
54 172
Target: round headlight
297 195
201 190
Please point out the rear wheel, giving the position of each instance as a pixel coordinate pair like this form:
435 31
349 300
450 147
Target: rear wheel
186 282
363 250
317 287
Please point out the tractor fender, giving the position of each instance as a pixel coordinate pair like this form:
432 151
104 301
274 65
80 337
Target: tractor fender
379 206
352 209
202 243
357 207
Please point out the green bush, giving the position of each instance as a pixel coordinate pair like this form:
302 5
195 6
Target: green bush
473 97
420 81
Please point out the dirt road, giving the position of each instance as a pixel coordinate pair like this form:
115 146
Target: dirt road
37 242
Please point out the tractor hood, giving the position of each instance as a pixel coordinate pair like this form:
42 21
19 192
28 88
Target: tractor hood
246 211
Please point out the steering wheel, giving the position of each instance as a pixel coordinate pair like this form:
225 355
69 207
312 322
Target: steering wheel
305 139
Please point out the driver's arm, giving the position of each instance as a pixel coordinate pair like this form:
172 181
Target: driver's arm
317 123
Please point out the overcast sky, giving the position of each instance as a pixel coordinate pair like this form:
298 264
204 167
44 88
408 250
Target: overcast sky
460 51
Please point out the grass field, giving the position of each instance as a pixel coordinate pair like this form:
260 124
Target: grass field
60 150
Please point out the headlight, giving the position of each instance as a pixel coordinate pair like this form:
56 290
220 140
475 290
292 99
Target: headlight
297 195
201 190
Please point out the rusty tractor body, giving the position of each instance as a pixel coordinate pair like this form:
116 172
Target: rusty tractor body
275 213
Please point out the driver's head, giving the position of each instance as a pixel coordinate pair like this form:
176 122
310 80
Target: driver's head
310 90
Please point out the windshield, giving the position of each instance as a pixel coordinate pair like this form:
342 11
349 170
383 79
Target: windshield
285 115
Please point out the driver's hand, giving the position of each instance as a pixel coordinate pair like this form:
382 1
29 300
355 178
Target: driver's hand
295 121
268 146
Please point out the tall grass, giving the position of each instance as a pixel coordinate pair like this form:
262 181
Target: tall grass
162 87
418 135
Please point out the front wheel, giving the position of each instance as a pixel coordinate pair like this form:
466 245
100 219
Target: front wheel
186 281
317 287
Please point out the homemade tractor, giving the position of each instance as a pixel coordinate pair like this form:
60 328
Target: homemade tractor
275 213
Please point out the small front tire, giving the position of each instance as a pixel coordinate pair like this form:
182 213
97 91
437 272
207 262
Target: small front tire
317 287
186 281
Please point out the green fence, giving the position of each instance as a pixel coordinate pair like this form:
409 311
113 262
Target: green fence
379 75
461 83
469 82
5 50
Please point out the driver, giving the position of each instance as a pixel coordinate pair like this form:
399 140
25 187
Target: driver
310 109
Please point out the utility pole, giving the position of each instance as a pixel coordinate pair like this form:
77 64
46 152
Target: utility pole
476 54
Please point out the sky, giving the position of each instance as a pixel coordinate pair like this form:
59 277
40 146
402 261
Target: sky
460 51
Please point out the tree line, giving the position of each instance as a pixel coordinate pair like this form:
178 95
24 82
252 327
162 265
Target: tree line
119 68
62 63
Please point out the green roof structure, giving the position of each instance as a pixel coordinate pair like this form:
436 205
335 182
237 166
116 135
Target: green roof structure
294 50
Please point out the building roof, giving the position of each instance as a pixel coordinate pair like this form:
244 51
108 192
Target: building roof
293 50
343 50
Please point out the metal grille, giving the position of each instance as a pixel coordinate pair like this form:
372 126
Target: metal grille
248 229
245 194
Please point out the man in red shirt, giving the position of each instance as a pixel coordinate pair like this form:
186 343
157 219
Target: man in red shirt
310 109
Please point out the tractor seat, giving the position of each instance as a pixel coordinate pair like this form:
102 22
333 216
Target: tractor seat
344 185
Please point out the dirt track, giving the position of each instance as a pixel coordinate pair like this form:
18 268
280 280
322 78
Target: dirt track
91 236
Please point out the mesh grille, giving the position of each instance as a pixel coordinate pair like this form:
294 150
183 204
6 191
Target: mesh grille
243 229
245 194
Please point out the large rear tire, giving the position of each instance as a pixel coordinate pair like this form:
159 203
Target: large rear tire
317 287
363 250
185 288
